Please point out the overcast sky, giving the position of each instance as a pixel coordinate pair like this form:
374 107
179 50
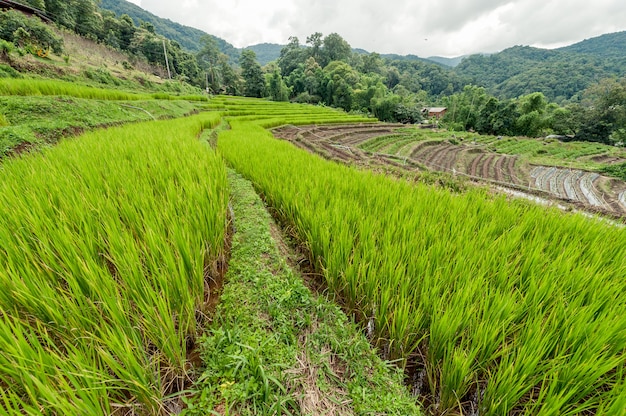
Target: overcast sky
424 28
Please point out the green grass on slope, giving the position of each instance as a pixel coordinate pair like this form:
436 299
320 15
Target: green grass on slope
37 120
30 86
274 348
105 244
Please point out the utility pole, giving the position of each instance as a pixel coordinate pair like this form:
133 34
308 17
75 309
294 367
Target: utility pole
167 63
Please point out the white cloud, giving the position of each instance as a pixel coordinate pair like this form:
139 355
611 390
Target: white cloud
444 27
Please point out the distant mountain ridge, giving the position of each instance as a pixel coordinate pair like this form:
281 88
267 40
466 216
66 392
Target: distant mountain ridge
266 52
560 74
451 62
610 45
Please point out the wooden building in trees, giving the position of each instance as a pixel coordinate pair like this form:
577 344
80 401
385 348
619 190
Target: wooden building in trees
436 112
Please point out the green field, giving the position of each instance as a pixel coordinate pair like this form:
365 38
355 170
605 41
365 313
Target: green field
488 298
487 303
105 244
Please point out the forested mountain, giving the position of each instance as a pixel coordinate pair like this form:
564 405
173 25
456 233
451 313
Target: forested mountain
187 37
609 46
560 74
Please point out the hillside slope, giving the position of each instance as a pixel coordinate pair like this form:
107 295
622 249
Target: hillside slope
188 37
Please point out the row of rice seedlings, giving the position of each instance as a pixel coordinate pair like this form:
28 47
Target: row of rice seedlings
19 86
105 244
502 306
315 119
376 143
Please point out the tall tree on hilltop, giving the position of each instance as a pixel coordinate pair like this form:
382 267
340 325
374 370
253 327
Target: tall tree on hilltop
335 49
290 56
315 42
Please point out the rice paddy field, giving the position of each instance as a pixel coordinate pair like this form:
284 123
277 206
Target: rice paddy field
496 306
492 306
29 87
108 242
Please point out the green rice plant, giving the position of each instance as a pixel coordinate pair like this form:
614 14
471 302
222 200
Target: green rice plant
106 244
58 87
508 306
12 86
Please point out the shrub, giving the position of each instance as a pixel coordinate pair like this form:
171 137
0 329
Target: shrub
18 28
102 76
8 72
6 48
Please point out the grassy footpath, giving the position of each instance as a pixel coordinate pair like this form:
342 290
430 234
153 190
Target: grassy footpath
274 347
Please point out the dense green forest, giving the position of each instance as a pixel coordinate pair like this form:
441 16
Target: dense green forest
577 92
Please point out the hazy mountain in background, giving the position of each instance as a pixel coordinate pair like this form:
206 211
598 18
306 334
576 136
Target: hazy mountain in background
266 52
451 62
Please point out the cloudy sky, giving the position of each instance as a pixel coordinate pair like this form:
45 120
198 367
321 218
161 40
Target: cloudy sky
426 28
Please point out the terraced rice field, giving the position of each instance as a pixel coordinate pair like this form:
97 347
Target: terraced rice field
493 306
496 307
379 144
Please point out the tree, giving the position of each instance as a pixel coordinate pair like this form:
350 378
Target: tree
278 91
252 74
22 30
315 42
342 79
335 49
37 4
372 63
464 108
385 108
231 84
126 31
604 111
208 57
487 117
61 11
562 121
290 56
